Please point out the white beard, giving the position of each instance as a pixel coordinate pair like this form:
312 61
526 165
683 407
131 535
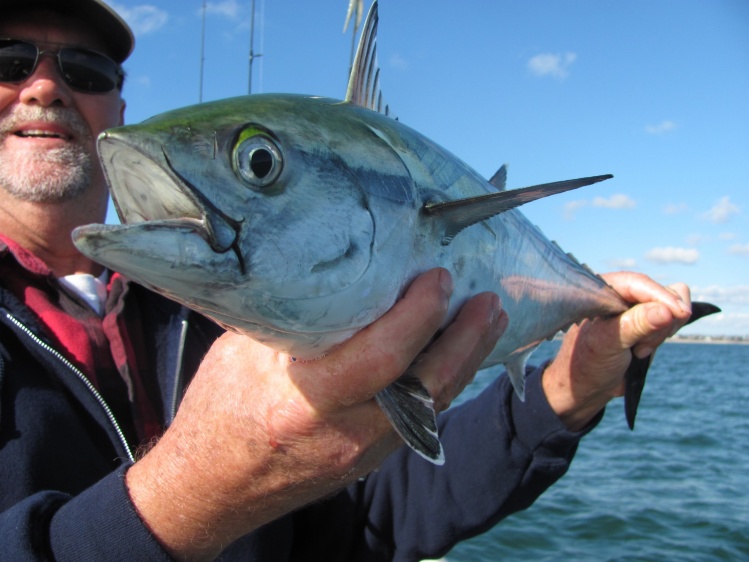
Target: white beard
50 176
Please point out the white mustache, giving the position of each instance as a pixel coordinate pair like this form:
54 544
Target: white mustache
61 116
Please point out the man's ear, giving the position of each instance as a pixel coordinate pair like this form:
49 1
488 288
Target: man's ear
122 112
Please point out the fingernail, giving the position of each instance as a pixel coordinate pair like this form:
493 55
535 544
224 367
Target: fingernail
495 309
446 282
499 318
642 352
685 307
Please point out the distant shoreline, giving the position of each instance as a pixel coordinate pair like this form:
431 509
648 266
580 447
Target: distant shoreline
732 340
709 340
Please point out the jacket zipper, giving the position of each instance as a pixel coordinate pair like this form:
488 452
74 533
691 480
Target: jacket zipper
81 377
178 382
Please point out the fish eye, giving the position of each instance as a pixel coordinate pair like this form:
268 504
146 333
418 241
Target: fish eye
258 160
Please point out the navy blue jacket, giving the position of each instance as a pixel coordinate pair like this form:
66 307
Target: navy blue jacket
63 461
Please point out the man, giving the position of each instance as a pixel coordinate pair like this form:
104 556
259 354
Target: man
266 459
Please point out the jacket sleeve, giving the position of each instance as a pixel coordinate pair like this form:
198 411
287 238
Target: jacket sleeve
501 454
97 524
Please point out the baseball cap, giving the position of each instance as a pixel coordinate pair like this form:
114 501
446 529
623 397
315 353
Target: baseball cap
116 34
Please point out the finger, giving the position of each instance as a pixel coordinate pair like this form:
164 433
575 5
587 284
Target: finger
452 360
639 288
615 335
650 323
380 353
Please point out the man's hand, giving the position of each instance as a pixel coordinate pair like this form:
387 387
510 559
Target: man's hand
259 435
589 368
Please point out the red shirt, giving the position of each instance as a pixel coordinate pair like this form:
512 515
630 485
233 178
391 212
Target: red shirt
109 351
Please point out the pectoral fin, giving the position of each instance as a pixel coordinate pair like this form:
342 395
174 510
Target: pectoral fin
463 213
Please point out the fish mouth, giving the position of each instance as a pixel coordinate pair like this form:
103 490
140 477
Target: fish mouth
150 190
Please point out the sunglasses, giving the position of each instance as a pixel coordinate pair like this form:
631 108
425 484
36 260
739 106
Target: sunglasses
83 70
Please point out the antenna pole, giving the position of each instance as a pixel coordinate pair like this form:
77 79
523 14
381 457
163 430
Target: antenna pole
202 55
253 56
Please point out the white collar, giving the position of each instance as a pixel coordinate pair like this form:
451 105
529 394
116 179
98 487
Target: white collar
91 289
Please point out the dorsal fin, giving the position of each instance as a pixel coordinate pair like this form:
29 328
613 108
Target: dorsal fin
364 82
499 179
462 213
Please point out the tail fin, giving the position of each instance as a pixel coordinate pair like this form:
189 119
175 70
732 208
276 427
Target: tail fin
634 379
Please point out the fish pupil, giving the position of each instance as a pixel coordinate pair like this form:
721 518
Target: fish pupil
261 163
257 160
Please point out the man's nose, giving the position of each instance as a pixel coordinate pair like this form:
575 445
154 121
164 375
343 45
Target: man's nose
45 86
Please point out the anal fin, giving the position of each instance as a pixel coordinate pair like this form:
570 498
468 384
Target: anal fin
515 367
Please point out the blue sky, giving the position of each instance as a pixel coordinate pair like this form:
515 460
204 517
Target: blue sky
654 92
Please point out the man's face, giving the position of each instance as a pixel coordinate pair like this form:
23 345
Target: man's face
48 131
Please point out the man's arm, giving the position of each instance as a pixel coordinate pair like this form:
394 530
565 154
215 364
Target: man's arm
258 436
589 369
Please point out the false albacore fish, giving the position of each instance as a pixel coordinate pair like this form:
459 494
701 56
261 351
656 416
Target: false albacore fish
299 220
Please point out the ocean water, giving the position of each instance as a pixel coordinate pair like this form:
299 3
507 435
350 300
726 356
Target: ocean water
677 488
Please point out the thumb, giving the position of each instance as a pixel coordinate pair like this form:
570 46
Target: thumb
645 326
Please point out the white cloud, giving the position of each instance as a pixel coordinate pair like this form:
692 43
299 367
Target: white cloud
571 207
734 318
399 62
552 64
697 239
721 211
675 208
616 201
661 128
740 249
622 264
727 236
735 295
227 8
670 254
143 19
